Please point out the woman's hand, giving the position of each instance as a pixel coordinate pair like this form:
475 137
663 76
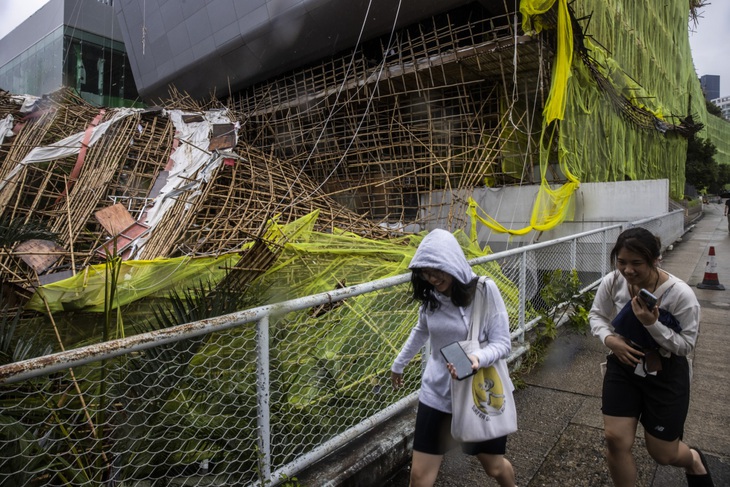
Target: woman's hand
474 366
647 316
623 351
396 380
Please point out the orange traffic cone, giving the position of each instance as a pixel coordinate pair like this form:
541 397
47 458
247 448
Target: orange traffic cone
710 281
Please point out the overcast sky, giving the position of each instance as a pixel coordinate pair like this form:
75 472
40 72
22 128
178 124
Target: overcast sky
708 46
705 38
13 12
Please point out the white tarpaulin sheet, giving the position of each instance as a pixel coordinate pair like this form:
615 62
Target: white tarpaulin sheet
192 163
69 146
6 128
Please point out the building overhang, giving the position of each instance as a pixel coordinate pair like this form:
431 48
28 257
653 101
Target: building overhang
222 46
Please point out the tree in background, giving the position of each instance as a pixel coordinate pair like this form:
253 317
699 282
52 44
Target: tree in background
723 180
701 169
713 109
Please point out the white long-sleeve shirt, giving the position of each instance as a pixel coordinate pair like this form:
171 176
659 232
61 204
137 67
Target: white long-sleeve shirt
675 296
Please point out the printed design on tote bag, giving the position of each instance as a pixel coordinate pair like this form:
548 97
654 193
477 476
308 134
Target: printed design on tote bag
487 391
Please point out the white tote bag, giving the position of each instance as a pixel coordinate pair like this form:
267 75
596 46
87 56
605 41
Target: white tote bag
483 405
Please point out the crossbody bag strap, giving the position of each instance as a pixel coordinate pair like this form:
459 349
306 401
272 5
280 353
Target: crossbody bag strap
478 309
659 301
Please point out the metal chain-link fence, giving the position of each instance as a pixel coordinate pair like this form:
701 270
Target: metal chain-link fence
253 397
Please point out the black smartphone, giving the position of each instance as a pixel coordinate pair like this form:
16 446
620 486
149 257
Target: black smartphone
454 354
648 298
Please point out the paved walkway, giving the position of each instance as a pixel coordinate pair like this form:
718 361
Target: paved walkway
560 442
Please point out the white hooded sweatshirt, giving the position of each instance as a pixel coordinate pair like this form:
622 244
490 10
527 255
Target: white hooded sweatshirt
440 250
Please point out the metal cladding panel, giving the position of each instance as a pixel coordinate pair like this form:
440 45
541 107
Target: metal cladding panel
91 16
227 44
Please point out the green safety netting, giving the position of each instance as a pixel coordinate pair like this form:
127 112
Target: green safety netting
623 105
645 56
309 262
718 131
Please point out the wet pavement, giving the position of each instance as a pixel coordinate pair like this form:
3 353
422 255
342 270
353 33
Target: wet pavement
560 439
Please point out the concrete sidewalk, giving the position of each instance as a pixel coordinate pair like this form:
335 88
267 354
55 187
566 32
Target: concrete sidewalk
560 441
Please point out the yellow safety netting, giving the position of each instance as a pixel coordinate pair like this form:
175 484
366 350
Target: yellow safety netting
329 341
553 205
531 10
137 279
312 262
309 262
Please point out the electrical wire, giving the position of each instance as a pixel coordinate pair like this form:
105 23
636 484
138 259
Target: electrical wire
73 30
332 111
367 107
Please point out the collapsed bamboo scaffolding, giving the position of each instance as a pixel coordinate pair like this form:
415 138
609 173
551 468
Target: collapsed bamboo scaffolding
367 141
381 134
218 214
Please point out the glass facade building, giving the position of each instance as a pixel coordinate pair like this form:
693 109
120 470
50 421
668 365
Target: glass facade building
95 65
98 69
38 69
724 105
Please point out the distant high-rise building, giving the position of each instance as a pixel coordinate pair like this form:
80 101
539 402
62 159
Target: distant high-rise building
710 86
69 43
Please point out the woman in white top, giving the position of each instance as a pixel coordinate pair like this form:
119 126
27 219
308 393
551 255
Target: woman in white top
647 375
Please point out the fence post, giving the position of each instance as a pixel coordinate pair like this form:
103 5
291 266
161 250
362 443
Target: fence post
604 253
262 397
522 286
574 254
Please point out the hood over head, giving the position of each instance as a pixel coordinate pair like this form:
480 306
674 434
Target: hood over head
440 250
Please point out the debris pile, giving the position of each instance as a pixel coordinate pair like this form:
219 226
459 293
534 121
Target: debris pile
150 183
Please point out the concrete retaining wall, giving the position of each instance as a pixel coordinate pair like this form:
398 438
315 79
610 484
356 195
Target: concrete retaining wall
596 205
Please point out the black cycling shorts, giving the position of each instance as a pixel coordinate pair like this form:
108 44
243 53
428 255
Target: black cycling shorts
433 435
659 402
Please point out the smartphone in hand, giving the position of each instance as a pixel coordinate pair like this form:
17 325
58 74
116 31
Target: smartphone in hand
454 354
649 299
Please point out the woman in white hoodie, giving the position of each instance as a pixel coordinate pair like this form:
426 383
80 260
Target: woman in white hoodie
446 286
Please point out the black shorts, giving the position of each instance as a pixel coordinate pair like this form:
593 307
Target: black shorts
659 402
433 435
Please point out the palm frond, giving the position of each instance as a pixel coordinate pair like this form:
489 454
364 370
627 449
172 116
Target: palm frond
12 348
13 231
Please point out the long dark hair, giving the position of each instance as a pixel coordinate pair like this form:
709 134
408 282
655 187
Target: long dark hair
461 294
639 241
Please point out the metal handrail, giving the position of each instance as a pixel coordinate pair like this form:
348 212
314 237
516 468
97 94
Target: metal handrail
40 366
